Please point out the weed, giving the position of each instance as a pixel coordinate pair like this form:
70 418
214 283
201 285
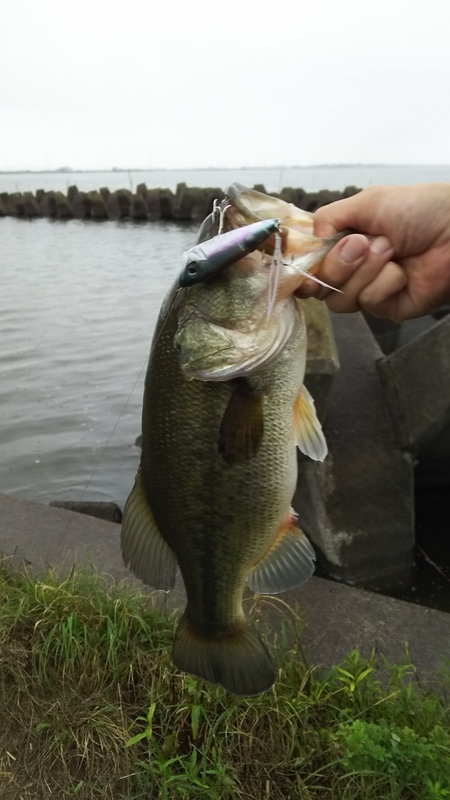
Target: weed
92 707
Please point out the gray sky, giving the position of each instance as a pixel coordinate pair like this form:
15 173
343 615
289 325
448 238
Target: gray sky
100 83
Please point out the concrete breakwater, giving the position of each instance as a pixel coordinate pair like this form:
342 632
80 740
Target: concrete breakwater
186 203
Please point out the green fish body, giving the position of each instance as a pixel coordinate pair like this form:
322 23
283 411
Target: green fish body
224 409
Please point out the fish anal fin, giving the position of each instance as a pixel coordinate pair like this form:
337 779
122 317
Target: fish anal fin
288 563
242 427
237 659
143 548
308 431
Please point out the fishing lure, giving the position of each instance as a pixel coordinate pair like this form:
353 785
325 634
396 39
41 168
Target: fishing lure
212 256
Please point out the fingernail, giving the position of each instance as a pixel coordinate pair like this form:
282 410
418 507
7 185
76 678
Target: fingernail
352 250
380 245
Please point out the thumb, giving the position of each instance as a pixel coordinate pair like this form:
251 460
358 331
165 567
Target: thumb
335 217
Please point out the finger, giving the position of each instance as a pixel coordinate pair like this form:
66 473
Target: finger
338 266
379 297
353 212
380 251
337 216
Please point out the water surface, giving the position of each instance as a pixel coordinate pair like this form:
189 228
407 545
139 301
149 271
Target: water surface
312 179
78 304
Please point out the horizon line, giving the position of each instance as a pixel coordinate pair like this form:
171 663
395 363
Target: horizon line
325 165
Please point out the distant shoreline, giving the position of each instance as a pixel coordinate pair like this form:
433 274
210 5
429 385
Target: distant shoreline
70 171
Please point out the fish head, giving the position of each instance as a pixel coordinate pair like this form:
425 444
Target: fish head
223 330
245 206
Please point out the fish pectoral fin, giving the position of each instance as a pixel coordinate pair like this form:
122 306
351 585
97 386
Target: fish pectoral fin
242 427
288 563
237 659
308 431
143 548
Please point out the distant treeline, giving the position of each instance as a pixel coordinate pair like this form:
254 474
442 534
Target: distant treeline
186 203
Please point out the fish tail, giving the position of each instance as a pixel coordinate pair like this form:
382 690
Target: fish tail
237 659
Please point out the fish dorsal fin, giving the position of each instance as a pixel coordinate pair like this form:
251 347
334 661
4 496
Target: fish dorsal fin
288 563
143 548
308 431
242 427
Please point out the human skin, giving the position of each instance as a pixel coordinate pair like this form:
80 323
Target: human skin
398 264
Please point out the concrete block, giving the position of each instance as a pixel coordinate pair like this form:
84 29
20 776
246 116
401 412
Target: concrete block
63 209
110 512
184 201
322 358
47 206
4 204
141 188
339 619
204 200
81 206
349 191
326 196
387 333
139 207
98 207
309 201
72 192
42 536
153 203
166 199
358 505
15 205
31 207
119 204
416 380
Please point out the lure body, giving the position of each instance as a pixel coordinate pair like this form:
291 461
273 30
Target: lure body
212 256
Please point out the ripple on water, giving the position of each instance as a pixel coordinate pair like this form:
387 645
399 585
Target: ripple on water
78 306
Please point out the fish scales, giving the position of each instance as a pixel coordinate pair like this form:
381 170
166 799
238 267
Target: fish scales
196 496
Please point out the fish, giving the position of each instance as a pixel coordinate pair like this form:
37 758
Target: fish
224 408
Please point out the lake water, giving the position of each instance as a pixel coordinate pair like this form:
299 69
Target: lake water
309 178
78 304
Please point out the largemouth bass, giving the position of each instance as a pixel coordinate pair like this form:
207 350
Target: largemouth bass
224 408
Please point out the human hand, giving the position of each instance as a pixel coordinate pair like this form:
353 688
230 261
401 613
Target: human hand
403 269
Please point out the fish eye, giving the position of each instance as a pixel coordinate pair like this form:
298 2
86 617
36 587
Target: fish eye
192 268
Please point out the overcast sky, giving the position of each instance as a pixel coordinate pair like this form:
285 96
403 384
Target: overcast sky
164 83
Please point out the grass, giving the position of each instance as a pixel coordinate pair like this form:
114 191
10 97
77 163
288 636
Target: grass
91 707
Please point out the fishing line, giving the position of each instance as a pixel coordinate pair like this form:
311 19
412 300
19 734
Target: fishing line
112 432
274 275
107 443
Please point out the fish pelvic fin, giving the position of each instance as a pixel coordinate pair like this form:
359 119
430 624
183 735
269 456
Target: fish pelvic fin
308 432
143 548
237 659
288 563
242 427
